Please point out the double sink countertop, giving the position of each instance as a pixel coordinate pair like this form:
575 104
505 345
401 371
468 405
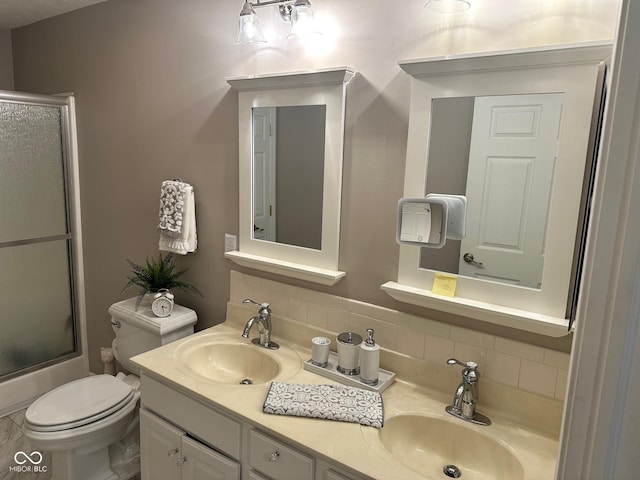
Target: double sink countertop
418 438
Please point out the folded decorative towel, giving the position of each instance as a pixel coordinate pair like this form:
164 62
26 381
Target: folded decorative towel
330 402
172 197
177 225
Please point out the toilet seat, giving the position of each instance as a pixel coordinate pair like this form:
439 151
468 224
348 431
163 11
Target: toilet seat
78 403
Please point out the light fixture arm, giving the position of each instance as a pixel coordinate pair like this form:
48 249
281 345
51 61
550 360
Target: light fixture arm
285 7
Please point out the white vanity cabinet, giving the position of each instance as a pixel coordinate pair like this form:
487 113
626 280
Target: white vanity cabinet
167 453
170 421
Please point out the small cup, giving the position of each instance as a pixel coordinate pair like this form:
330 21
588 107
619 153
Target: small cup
320 351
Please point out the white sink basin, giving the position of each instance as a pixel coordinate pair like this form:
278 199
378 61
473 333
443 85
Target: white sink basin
234 361
428 444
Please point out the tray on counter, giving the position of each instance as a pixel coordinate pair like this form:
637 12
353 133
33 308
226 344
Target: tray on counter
385 377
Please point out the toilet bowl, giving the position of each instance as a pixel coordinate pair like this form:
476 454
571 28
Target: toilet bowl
78 421
91 425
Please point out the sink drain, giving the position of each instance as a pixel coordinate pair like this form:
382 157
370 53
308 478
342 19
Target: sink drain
246 381
452 471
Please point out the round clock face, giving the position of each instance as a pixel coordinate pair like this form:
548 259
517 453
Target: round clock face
162 307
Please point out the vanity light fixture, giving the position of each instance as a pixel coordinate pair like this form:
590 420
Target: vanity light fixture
448 6
249 30
298 12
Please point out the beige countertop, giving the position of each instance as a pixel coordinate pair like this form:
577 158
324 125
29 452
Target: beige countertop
351 446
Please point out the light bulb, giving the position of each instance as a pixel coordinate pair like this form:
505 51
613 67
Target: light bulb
249 30
303 22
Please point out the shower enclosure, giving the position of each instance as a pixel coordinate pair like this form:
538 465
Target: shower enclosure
41 291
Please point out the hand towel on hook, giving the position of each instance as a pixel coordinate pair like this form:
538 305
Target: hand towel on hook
177 218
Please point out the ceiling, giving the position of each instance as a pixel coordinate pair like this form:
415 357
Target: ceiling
16 13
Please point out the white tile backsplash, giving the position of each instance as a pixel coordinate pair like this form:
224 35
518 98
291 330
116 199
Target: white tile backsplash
517 364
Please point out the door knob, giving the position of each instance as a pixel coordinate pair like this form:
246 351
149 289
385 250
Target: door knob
468 258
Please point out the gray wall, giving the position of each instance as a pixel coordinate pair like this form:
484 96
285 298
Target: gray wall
152 104
6 64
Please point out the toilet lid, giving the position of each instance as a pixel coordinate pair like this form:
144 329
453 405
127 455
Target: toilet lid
78 403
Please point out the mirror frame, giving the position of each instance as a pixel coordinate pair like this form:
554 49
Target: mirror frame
572 70
318 87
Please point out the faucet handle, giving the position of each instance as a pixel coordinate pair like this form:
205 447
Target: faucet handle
469 373
455 361
261 305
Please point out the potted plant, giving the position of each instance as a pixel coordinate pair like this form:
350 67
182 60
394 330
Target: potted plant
155 275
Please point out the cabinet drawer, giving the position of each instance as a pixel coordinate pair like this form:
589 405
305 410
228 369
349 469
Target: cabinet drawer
256 476
277 460
210 426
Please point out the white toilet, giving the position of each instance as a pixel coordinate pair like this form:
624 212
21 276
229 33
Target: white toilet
91 425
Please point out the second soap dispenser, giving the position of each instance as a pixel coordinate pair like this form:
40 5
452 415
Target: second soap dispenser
369 359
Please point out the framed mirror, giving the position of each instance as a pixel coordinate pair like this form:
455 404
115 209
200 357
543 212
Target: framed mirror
511 131
291 143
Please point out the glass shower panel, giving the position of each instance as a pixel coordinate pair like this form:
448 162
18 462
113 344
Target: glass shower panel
37 324
32 186
35 293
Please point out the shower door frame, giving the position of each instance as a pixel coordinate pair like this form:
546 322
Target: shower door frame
18 391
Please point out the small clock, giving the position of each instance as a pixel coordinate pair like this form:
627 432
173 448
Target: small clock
162 304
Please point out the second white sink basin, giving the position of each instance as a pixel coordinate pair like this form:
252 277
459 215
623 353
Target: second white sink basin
428 444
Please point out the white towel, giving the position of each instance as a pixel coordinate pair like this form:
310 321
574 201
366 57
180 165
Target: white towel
186 240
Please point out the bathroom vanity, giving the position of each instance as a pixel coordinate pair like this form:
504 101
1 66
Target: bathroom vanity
198 421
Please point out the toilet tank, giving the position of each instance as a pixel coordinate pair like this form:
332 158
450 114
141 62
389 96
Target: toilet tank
140 331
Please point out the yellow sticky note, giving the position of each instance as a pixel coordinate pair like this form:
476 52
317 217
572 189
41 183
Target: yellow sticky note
445 285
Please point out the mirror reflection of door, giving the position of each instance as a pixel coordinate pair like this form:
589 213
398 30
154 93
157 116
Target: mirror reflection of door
288 174
500 152
511 162
264 173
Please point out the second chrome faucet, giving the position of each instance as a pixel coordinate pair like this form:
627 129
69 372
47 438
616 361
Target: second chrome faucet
263 320
466 395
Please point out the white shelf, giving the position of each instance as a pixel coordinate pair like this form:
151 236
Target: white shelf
586 52
486 312
329 76
288 269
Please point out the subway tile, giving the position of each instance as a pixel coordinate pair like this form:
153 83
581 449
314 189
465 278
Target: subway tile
556 359
466 352
472 337
386 314
276 297
386 334
326 299
561 384
297 309
355 306
538 378
299 292
317 315
519 349
337 320
438 349
424 325
503 368
411 342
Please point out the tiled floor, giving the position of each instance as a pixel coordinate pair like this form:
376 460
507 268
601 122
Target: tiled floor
13 441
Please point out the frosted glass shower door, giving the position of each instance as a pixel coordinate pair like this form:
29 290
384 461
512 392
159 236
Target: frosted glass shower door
37 320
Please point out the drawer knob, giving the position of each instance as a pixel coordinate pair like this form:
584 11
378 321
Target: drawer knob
181 460
173 452
274 456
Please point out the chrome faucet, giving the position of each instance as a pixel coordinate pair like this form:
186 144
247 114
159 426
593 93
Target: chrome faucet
263 320
466 396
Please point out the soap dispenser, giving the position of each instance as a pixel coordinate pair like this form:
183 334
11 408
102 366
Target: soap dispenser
369 359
